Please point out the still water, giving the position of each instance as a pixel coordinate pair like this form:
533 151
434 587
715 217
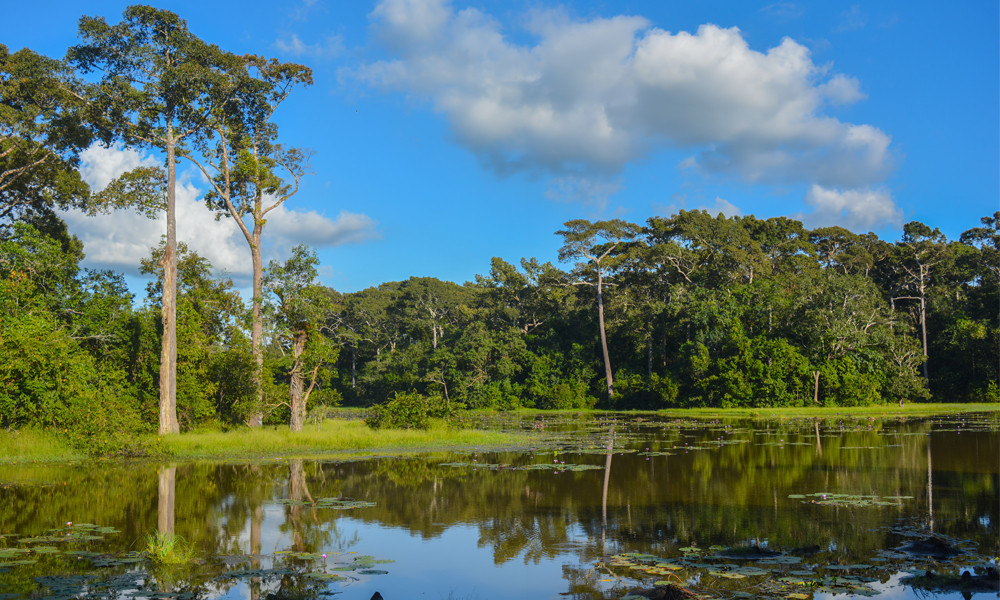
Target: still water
803 508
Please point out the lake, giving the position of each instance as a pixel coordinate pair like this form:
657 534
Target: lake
737 509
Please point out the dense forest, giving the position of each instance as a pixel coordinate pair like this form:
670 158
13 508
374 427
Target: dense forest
685 310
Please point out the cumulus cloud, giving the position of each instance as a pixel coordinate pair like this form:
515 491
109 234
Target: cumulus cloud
99 165
860 210
586 97
286 228
120 239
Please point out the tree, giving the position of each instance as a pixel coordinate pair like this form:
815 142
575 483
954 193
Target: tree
524 300
156 84
596 242
919 251
301 308
245 166
43 126
210 326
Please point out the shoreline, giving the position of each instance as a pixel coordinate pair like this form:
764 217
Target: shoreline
347 436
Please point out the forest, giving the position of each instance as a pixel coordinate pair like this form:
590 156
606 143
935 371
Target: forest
685 310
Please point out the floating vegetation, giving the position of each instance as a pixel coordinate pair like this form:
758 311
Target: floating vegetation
851 500
554 466
334 503
742 581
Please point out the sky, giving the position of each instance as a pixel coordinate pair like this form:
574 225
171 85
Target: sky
446 133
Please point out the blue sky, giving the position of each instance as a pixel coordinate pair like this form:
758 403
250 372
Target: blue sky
446 133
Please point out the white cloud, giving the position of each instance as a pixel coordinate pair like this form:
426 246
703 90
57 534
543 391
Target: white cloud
723 206
587 97
860 210
330 47
286 228
120 239
99 165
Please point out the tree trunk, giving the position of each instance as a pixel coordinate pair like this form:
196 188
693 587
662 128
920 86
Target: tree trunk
816 390
354 365
296 385
168 347
257 329
923 327
604 339
649 357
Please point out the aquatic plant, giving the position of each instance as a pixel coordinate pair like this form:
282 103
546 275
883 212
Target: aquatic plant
166 548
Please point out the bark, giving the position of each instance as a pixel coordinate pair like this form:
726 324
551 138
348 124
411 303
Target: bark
257 329
604 338
296 387
168 349
354 365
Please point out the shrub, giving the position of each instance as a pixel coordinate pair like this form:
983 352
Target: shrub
405 411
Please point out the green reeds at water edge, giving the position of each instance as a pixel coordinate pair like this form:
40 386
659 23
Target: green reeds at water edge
165 548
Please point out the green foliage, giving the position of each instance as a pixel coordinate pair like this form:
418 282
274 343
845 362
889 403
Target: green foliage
165 548
403 411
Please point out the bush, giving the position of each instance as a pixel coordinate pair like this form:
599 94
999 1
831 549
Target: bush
405 411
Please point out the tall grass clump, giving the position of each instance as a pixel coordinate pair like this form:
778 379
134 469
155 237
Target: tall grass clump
168 549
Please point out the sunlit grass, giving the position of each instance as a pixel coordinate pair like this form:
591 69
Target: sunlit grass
35 445
331 436
168 549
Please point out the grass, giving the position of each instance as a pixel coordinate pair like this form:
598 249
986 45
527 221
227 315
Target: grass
168 549
331 437
35 445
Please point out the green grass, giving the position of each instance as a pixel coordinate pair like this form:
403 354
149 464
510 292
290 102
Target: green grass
332 436
168 549
35 445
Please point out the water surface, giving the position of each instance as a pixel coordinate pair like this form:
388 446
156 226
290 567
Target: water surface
729 509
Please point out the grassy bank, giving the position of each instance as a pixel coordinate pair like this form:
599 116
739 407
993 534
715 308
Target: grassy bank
35 445
330 437
346 434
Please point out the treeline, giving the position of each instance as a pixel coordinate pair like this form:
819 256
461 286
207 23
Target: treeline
687 311
697 311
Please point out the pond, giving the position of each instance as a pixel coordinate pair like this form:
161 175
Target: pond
795 508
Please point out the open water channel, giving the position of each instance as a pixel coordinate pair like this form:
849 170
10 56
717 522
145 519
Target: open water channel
800 509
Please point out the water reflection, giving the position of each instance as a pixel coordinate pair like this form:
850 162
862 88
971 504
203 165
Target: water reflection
260 530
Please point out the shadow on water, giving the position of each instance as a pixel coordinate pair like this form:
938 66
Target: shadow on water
600 507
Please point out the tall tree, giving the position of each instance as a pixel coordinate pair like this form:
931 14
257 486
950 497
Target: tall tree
156 82
251 174
596 243
301 309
